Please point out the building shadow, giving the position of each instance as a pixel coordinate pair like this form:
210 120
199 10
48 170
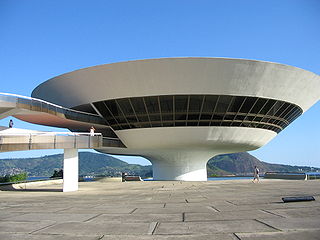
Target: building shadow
14 189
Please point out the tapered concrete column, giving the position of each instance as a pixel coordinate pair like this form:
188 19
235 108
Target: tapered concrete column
70 170
181 166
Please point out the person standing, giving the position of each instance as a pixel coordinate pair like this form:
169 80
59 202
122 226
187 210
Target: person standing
10 123
256 174
92 129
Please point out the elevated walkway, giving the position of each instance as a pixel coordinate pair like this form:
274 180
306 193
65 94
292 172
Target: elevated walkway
41 112
14 139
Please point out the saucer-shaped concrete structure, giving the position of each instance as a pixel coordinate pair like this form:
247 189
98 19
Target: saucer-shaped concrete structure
180 112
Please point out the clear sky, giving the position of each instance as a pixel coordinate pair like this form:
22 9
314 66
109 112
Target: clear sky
40 39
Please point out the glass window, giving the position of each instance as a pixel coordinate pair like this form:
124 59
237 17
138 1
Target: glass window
131 119
209 104
293 115
167 117
143 118
218 116
275 108
205 116
138 105
283 108
192 123
225 124
116 127
125 106
204 123
113 107
181 103
152 104
167 124
101 108
155 117
121 119
287 111
215 123
179 116
193 116
258 105
196 110
166 103
223 104
229 117
195 103
236 104
236 124
180 123
112 121
156 124
267 106
248 104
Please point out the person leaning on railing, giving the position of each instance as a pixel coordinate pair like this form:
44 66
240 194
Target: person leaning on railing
92 129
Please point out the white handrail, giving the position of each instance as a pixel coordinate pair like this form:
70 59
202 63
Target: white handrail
49 103
50 133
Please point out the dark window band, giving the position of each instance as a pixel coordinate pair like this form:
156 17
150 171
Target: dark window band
198 110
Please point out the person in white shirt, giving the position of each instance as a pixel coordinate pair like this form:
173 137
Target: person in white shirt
92 129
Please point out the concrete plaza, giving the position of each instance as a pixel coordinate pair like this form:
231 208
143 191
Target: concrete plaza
233 209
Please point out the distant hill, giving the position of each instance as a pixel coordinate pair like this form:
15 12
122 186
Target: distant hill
243 164
89 164
102 164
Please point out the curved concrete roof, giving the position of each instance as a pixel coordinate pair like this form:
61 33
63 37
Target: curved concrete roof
182 76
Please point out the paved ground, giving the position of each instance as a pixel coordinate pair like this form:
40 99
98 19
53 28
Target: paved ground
163 211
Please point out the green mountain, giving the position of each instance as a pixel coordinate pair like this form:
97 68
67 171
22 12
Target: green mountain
243 164
102 164
89 164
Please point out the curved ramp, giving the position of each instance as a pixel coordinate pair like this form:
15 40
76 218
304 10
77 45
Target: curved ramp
41 112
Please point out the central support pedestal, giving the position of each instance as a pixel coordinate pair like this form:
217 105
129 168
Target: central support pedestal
181 166
70 170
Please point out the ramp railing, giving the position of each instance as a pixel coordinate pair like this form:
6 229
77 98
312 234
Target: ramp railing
49 140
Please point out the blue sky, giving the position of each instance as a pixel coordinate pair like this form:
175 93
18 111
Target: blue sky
40 39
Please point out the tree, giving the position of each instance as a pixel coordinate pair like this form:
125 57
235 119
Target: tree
57 174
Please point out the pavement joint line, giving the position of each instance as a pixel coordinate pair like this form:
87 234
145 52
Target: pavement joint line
268 225
271 213
133 211
152 227
213 208
62 210
237 237
89 219
32 232
231 203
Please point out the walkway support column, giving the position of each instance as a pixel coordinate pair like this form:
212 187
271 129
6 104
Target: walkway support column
70 170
